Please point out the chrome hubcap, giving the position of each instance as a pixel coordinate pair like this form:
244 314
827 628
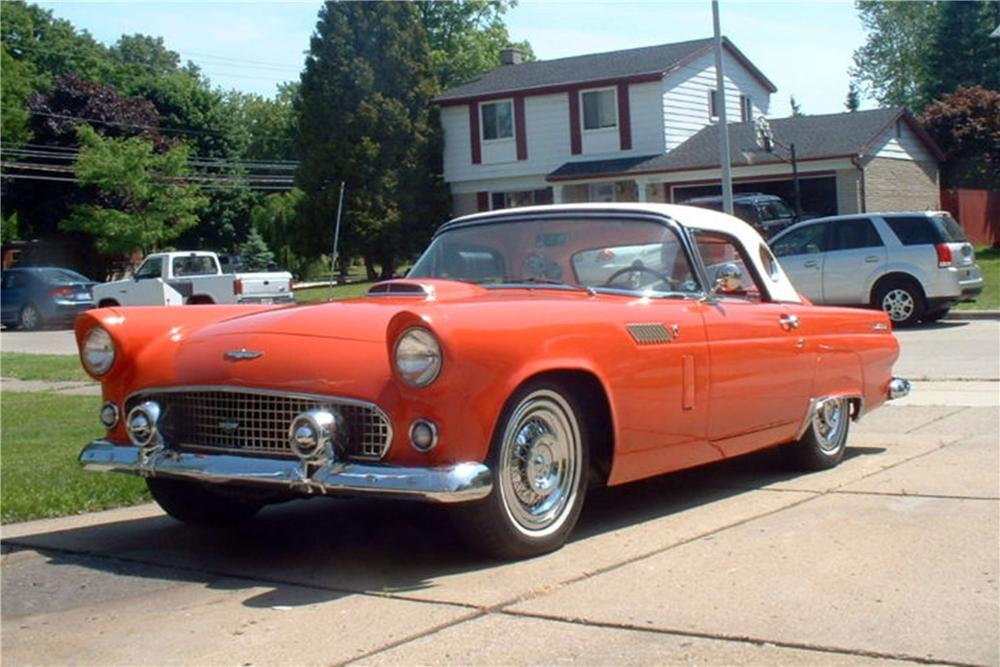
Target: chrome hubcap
539 460
898 304
29 318
829 423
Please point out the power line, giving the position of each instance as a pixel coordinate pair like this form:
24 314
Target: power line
73 155
75 151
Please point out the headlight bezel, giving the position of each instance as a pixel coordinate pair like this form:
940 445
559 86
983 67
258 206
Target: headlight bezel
90 347
419 338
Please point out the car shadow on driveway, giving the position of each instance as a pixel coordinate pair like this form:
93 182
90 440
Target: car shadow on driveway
309 552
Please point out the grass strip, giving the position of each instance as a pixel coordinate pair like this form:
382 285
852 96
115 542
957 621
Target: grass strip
42 436
988 260
51 367
325 293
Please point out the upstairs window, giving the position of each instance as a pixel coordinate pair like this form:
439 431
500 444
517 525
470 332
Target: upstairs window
498 120
713 103
746 109
600 109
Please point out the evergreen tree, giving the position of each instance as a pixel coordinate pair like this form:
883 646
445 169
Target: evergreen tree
255 254
796 107
963 53
365 119
853 101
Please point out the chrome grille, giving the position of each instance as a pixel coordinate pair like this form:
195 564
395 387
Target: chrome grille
239 421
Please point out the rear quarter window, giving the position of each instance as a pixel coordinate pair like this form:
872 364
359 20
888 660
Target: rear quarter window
951 230
915 230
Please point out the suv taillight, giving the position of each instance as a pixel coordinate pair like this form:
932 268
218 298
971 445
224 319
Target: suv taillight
944 255
237 286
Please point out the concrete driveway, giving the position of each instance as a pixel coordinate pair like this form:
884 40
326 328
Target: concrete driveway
890 558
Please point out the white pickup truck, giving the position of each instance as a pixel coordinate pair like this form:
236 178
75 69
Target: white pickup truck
179 278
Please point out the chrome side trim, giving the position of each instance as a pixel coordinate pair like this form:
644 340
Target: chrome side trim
815 403
460 482
898 388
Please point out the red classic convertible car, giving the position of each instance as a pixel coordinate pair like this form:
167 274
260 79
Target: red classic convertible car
529 354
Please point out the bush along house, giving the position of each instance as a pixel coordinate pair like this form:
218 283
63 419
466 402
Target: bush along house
642 125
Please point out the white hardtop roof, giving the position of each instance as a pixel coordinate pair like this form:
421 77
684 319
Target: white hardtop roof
692 217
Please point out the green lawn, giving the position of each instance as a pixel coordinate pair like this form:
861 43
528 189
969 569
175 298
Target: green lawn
989 261
43 434
52 367
325 293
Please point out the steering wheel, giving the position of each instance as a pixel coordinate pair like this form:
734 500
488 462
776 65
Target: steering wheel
640 269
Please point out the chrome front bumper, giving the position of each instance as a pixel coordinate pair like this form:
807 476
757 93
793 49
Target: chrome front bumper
444 484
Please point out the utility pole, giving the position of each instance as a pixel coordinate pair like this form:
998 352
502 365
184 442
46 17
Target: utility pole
720 85
336 236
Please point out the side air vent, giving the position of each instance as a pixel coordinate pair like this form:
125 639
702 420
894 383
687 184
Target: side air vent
397 288
651 334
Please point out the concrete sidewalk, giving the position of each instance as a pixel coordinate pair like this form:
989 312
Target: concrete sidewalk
889 558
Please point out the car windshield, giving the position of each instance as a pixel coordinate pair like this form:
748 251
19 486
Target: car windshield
57 276
599 253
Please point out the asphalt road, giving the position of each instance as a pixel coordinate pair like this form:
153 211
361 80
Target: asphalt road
890 558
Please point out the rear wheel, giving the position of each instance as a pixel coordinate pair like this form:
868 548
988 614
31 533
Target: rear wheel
902 300
29 319
823 444
197 504
539 457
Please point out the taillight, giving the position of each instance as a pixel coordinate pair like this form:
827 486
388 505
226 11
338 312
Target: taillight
944 255
237 286
291 285
61 292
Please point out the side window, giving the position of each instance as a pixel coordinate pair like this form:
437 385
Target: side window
803 241
718 252
498 120
599 109
852 234
151 268
915 230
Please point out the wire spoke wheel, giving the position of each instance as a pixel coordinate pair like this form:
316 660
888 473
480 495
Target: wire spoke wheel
540 463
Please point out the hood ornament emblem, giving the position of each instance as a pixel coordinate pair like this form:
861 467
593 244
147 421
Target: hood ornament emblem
242 355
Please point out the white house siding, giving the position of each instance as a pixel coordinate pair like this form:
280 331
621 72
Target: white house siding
904 147
685 96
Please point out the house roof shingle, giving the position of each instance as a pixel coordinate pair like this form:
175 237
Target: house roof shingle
815 138
630 63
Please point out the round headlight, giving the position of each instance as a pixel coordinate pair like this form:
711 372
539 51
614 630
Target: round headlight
417 357
98 352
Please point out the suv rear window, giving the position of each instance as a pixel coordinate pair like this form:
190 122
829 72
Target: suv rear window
915 230
952 231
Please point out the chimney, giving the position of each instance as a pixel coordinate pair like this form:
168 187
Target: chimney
511 56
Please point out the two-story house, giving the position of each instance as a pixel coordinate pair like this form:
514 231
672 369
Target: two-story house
642 125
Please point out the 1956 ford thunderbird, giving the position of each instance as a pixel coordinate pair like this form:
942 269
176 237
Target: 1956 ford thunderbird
529 354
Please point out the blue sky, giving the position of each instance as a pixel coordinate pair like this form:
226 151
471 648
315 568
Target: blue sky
804 47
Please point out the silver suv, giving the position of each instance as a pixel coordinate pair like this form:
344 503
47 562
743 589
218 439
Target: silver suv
915 266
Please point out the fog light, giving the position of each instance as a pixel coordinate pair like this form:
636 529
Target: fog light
109 415
141 423
423 435
312 433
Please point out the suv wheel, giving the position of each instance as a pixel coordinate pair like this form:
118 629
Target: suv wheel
902 300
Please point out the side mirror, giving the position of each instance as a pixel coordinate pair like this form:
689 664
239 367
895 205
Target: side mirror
728 278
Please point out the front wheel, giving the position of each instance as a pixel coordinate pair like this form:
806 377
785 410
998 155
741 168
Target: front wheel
822 445
538 456
196 504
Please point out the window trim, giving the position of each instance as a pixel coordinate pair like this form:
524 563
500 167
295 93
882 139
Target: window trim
482 121
614 107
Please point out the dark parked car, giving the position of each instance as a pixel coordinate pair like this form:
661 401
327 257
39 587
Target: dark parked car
32 297
768 214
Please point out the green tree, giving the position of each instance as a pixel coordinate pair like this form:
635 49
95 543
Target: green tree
853 101
365 118
255 253
966 126
796 107
916 52
144 199
268 126
15 87
466 38
963 53
275 219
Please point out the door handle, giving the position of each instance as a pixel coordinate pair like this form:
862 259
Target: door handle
871 260
789 322
812 263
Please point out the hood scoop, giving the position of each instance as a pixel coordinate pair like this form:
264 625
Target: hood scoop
401 288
